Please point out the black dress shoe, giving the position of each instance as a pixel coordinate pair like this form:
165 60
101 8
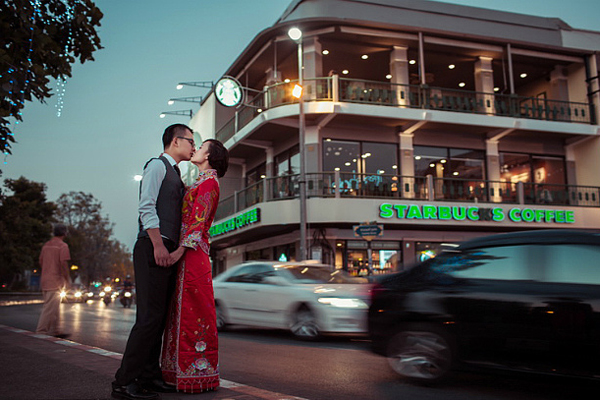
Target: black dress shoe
132 392
158 385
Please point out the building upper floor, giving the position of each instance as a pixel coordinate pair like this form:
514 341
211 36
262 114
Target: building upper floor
413 73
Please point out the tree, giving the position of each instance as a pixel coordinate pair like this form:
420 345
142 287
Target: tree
89 239
40 39
25 225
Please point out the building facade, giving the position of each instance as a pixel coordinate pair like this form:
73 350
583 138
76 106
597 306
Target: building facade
433 122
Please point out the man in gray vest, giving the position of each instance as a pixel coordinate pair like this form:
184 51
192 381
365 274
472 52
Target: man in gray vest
161 194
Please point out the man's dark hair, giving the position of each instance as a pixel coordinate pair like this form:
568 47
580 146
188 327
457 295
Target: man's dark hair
218 156
174 131
60 230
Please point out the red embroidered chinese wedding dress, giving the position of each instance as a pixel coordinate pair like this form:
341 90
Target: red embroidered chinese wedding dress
190 357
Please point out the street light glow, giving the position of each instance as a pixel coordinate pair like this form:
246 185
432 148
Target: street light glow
297 91
295 33
137 178
179 87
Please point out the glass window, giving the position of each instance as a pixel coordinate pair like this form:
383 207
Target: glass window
250 273
515 167
256 174
550 170
288 162
341 155
430 160
499 263
466 164
380 158
573 264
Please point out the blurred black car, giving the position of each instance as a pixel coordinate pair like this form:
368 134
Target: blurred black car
527 301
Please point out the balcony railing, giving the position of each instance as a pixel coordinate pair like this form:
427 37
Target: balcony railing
408 96
420 188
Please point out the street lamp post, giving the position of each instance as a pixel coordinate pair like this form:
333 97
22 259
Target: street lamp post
296 35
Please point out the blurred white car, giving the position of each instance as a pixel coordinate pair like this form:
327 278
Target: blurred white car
308 299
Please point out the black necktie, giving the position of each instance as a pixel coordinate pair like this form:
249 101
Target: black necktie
177 170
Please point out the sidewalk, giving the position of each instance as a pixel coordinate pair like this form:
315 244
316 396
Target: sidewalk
44 367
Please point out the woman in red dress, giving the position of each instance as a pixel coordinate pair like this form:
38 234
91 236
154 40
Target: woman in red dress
190 358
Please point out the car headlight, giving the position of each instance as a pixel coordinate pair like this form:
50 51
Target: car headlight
127 294
102 294
63 294
343 303
90 294
77 294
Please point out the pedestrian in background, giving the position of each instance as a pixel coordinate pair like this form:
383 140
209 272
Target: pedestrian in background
54 263
190 358
161 194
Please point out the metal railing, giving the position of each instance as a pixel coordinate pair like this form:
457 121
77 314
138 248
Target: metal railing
410 96
421 188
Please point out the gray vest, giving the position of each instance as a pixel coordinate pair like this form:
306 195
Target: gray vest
168 204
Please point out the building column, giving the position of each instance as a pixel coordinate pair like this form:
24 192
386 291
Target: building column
492 166
406 185
313 66
400 75
484 85
570 165
559 86
312 149
594 84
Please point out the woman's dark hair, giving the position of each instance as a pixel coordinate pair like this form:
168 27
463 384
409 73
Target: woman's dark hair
173 131
218 156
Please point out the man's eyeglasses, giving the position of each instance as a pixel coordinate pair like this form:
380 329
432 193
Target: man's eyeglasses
188 139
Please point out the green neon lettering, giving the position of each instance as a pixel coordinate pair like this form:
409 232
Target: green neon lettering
429 212
444 212
473 213
560 216
539 215
528 215
497 214
570 217
459 213
414 212
385 210
400 210
515 215
549 215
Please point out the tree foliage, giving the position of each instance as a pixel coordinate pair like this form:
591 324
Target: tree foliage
25 224
40 39
89 239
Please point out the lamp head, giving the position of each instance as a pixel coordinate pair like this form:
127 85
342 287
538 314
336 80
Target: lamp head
295 34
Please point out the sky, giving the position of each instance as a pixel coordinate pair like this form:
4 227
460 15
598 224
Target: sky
109 124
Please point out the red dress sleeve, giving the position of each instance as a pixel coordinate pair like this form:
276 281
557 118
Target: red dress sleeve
199 207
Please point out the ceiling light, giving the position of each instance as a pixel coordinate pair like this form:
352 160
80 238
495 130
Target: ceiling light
394 167
347 164
451 66
364 56
523 75
417 157
432 165
462 84
496 89
286 80
443 161
337 168
325 52
412 62
345 72
455 173
388 76
328 140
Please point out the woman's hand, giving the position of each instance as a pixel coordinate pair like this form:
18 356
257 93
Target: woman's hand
177 254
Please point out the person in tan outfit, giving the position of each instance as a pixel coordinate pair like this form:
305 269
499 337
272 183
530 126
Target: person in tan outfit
54 262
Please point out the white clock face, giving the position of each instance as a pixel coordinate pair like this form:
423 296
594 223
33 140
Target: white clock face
228 92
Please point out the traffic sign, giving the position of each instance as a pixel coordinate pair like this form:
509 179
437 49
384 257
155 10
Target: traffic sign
368 232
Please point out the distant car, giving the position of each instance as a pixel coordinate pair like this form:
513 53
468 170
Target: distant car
308 299
73 295
526 301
